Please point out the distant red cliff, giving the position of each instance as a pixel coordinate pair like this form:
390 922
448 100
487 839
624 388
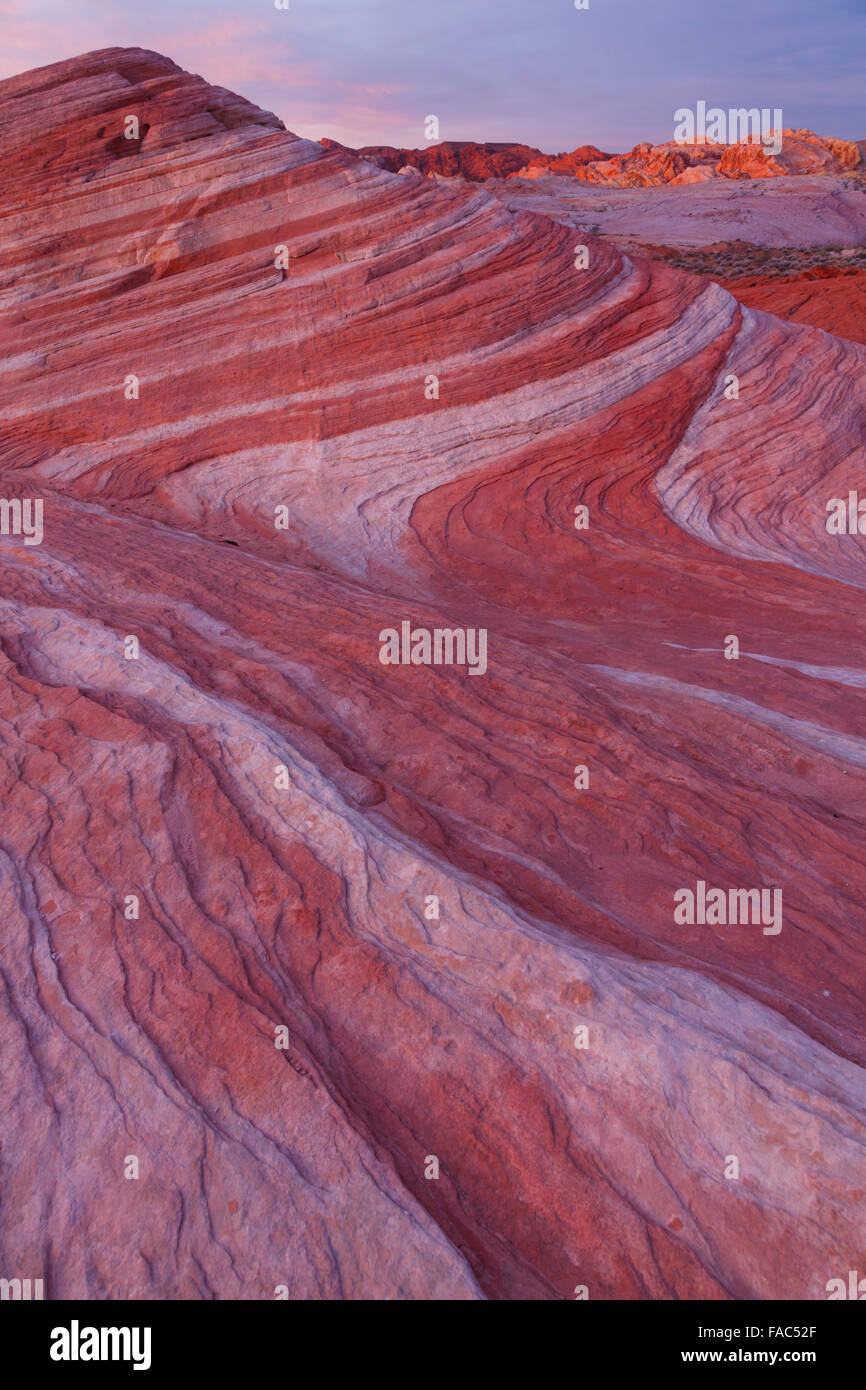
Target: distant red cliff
645 165
468 160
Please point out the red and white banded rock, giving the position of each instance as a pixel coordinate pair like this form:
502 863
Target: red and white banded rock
283 805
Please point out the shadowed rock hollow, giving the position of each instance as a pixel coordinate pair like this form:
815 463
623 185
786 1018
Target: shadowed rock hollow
284 807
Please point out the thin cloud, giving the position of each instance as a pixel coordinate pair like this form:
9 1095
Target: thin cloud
531 70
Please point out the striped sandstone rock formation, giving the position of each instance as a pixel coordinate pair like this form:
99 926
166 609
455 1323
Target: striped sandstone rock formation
283 808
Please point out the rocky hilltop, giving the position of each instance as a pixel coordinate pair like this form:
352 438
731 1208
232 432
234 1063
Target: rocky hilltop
476 162
452 159
331 978
645 166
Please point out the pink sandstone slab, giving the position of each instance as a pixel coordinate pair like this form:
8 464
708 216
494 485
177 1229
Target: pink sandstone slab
284 807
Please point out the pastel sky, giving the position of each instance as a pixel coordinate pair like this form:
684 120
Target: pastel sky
538 71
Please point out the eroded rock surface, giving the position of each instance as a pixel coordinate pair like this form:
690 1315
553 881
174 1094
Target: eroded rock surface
675 162
830 298
284 807
795 247
793 212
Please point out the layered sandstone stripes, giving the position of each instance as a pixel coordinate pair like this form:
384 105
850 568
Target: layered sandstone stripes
298 900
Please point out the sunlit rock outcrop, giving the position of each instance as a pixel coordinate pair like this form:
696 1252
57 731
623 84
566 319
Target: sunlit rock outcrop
678 161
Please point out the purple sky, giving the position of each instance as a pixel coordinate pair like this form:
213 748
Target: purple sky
538 71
